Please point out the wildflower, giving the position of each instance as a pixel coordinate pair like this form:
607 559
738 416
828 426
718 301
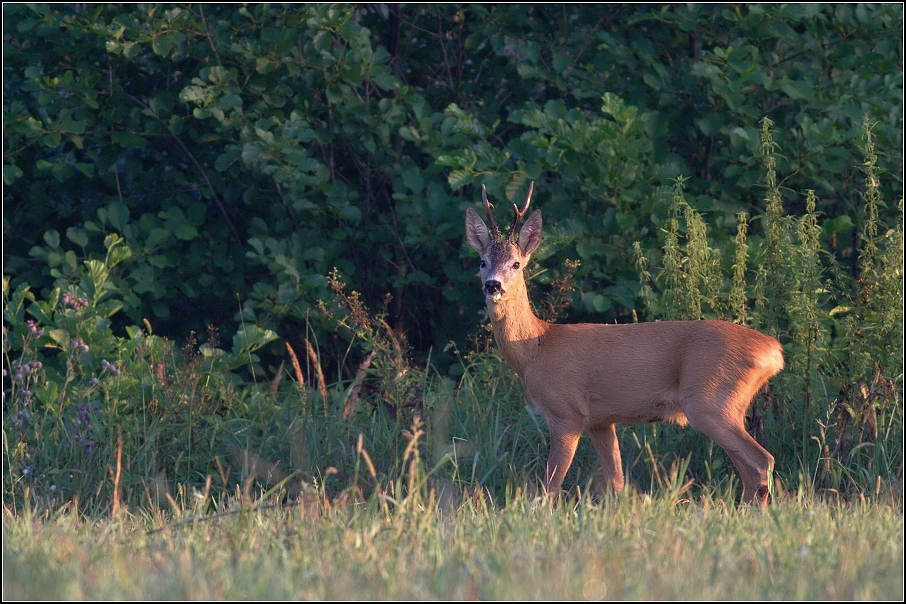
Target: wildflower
33 330
111 367
27 471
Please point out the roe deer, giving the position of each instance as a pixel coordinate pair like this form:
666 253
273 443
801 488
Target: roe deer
588 377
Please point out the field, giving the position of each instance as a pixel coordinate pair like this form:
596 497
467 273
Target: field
246 354
637 547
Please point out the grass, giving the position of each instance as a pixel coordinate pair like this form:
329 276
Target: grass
636 547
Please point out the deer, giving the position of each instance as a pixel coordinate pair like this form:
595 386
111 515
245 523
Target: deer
587 377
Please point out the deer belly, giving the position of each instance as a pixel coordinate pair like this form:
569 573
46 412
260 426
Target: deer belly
632 410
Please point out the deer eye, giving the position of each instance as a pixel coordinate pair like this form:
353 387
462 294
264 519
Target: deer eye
515 266
483 264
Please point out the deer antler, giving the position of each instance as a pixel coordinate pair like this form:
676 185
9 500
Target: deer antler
520 213
495 230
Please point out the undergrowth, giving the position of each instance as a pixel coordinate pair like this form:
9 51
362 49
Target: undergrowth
128 421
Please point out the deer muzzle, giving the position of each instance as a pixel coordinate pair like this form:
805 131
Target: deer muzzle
493 289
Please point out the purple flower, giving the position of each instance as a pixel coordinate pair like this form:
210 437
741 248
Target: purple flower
34 330
111 367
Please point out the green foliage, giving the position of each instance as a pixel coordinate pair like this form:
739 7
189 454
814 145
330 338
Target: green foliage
177 167
841 381
76 392
243 152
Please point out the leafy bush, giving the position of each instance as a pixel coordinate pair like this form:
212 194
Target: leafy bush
243 152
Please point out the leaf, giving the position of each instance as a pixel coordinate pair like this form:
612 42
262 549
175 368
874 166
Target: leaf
517 182
11 173
128 139
60 336
798 89
77 236
52 238
73 127
185 231
459 178
97 274
108 308
162 44
227 158
118 215
250 339
156 236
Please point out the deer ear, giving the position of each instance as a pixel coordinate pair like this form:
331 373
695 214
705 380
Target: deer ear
530 233
477 232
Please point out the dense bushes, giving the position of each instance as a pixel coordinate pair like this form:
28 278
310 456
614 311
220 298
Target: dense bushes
176 167
243 152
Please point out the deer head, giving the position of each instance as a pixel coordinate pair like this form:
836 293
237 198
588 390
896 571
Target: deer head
502 259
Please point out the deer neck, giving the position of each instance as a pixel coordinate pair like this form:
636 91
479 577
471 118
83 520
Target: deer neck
516 328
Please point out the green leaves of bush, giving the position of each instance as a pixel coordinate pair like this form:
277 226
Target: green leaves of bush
246 150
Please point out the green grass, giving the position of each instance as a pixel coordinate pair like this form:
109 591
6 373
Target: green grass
637 547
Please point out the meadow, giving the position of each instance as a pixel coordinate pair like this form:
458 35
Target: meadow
642 547
245 351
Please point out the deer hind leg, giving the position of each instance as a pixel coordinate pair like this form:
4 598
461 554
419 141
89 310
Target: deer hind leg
752 461
604 438
563 448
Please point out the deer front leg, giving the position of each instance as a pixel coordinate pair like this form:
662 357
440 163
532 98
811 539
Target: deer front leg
604 438
563 447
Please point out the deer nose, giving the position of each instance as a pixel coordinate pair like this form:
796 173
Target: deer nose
492 287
